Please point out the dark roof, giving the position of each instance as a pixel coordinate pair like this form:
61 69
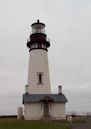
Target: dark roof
38 22
35 98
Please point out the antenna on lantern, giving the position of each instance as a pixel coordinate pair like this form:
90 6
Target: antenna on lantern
38 21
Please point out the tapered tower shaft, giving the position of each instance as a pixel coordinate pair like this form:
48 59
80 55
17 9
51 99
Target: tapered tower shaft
38 71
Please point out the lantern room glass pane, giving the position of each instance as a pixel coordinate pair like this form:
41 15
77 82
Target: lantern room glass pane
38 28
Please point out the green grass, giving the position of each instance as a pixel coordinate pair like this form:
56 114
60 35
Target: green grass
22 124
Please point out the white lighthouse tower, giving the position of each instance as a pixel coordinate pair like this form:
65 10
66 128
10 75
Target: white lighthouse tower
39 102
38 73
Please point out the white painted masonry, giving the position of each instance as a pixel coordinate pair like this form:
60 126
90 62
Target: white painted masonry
38 62
58 111
35 111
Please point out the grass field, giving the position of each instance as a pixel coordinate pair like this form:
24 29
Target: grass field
6 123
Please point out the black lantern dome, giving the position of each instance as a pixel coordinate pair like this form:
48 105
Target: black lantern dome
38 39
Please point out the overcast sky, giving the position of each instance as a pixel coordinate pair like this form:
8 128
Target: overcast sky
68 25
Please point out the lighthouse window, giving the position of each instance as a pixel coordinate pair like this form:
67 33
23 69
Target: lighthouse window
40 78
43 45
39 45
32 45
36 45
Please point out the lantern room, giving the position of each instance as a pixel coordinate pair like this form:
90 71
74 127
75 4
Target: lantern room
38 39
38 27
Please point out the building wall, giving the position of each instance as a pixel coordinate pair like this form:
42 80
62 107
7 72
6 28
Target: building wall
58 111
38 62
35 111
32 111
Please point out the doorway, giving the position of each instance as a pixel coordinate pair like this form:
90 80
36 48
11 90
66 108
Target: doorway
46 109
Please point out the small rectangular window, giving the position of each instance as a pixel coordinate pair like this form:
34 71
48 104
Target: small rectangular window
40 77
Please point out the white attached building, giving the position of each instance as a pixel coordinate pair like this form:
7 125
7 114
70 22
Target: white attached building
39 102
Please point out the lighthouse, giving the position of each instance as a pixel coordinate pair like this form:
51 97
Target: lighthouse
39 102
38 73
